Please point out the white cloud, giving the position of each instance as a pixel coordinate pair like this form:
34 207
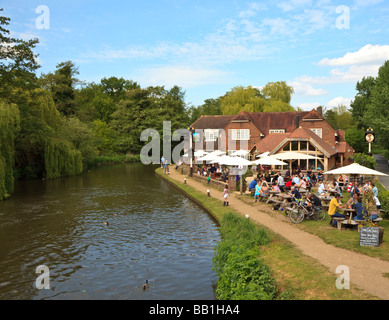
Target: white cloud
339 101
369 54
306 89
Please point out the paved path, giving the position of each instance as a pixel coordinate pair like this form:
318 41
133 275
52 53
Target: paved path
365 272
382 166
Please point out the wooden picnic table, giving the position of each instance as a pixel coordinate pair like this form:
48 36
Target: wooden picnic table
272 194
286 198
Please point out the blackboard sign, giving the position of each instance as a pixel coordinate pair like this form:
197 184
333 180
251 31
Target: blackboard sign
369 236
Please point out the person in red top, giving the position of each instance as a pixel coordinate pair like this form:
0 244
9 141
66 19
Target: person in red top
288 185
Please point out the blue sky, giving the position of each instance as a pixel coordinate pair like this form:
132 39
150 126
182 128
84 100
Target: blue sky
321 48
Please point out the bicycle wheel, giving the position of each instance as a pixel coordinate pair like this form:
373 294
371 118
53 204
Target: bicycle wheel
296 215
319 215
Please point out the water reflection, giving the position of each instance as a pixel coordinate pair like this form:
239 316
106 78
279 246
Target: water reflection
153 233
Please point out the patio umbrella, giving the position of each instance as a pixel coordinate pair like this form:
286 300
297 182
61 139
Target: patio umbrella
356 169
240 153
291 155
232 161
269 161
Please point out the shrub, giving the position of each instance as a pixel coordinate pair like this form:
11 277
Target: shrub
242 274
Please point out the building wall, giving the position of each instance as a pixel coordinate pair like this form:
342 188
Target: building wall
328 133
255 135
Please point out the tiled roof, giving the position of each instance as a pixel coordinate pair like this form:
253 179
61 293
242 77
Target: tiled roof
212 122
313 115
288 121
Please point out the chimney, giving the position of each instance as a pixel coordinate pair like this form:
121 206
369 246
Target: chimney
319 110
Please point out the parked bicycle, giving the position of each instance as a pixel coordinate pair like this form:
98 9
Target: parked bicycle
300 210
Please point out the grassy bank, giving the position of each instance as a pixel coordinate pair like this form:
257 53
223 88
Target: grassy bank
103 160
289 274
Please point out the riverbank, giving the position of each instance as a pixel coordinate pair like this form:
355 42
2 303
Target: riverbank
302 263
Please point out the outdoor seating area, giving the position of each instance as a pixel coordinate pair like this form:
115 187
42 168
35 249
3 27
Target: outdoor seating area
286 190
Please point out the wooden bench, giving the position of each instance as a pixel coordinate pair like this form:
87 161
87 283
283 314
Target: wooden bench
339 222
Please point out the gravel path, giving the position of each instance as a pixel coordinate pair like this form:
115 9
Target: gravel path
365 272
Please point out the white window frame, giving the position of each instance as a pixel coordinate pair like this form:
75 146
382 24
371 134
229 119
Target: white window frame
211 134
318 131
276 131
240 134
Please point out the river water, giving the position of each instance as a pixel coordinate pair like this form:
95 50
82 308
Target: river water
154 232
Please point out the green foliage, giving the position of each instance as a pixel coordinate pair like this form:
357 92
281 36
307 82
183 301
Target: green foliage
242 99
383 196
364 160
242 274
9 127
278 91
371 105
18 62
356 138
340 118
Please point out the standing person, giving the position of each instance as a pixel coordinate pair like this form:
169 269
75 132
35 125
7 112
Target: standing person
281 182
374 189
225 195
166 167
332 210
257 191
162 162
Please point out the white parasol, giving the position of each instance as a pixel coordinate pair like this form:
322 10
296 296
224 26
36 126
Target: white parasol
269 161
356 169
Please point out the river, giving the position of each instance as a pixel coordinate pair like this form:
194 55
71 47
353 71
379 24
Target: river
154 233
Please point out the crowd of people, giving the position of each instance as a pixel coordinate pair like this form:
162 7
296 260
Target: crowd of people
274 181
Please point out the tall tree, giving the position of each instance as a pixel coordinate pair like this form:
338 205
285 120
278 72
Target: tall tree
18 62
62 84
278 91
240 99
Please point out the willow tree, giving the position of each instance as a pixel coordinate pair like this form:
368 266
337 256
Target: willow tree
240 99
42 148
9 126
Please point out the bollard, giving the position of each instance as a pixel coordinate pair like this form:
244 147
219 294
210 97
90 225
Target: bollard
184 180
209 193
247 216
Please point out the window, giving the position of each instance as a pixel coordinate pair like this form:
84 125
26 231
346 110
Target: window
277 131
211 134
240 134
318 132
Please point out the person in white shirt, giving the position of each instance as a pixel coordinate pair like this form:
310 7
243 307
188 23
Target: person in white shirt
321 188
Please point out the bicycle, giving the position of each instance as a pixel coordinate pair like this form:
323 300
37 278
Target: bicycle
300 211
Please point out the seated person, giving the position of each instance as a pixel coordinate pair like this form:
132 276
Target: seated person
321 191
302 184
295 192
320 175
265 192
253 184
333 208
361 212
288 185
315 202
336 187
296 179
354 190
352 201
276 188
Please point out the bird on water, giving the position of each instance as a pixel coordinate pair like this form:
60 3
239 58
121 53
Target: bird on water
146 285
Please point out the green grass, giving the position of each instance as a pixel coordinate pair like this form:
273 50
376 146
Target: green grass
297 276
